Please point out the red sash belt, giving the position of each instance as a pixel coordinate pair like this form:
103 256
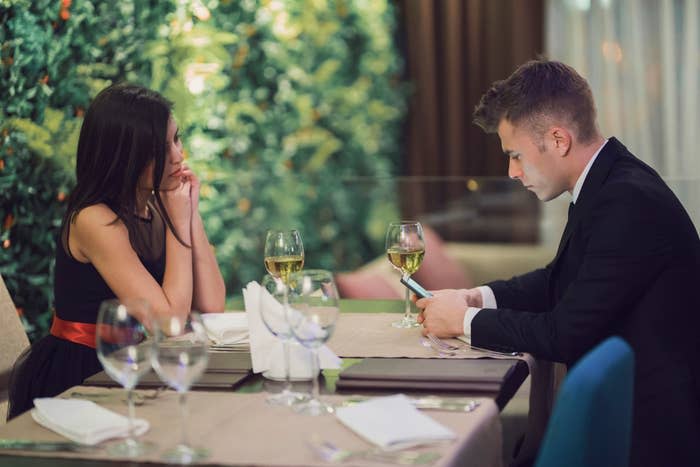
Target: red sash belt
79 333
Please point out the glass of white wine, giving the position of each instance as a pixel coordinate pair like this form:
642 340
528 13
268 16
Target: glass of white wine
405 249
284 253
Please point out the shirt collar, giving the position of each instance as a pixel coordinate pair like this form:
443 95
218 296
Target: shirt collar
582 177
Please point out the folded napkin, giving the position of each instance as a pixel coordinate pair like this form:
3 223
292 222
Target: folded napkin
392 423
226 328
83 421
266 350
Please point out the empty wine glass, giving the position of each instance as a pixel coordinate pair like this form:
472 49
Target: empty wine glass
180 360
312 314
274 315
405 249
122 327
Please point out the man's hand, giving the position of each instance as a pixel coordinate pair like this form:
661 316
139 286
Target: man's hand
443 313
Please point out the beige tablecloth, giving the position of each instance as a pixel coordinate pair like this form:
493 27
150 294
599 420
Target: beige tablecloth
363 335
243 429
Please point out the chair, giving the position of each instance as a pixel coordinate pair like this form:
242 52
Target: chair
591 422
13 340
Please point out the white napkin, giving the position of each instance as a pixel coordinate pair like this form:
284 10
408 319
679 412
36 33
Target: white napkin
267 351
392 423
83 421
226 328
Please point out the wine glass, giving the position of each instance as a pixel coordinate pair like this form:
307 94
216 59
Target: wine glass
180 360
284 253
405 249
312 314
274 315
122 327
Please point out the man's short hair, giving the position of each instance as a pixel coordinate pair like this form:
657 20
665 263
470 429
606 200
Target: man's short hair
536 94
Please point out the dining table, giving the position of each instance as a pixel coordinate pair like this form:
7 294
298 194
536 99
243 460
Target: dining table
235 424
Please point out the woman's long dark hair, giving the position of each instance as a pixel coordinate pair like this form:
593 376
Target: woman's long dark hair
124 130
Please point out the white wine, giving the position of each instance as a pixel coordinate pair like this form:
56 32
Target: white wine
408 261
283 266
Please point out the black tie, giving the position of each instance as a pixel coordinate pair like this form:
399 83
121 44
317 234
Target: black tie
571 208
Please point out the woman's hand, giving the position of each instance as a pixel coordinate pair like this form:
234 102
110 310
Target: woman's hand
178 203
188 175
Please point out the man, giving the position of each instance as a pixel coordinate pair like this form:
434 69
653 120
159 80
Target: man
627 264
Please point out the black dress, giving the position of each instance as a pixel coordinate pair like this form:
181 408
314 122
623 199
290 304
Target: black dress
52 364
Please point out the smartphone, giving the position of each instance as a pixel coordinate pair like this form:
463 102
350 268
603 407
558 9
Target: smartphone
415 287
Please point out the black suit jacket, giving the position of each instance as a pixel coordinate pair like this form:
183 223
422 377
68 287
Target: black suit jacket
628 264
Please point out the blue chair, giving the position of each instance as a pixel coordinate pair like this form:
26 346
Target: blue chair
591 422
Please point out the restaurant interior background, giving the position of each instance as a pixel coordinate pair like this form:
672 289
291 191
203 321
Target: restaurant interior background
334 117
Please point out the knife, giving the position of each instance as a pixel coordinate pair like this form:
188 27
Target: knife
437 403
29 445
429 403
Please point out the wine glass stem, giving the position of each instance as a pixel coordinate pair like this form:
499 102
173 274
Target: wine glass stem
285 295
287 369
407 310
285 343
132 415
183 417
315 374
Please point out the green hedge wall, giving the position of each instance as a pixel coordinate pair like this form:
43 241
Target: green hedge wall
281 104
54 56
292 100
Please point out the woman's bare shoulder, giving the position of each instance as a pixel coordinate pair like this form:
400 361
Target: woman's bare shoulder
95 216
95 228
97 223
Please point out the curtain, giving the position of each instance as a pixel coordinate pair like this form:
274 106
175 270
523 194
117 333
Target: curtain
454 50
642 59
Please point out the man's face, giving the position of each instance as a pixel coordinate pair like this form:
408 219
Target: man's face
538 167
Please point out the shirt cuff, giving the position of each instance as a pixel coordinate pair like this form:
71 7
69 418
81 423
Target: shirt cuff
488 299
468 317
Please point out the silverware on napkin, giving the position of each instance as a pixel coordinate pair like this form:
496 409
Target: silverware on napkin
29 445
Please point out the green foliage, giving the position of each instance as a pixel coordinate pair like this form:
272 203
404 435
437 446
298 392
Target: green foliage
32 190
60 56
54 57
281 103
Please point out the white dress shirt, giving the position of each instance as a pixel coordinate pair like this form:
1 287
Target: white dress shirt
488 299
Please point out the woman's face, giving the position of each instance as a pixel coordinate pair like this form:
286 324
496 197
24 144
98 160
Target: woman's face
172 168
172 171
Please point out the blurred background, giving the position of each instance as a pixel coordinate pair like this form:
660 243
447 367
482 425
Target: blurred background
335 117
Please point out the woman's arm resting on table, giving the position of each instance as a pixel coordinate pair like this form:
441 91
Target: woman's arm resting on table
209 291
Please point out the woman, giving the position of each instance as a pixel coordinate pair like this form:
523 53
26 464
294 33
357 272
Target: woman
132 229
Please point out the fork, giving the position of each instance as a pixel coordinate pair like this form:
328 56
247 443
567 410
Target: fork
450 349
329 452
139 397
